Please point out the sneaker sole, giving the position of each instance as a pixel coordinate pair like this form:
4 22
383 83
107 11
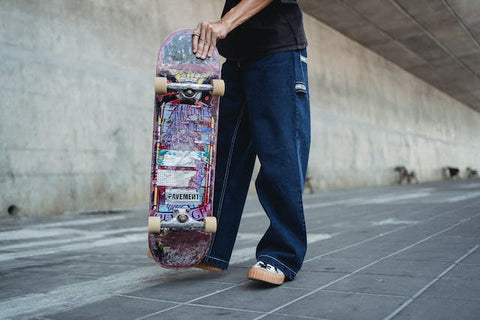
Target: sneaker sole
265 276
205 266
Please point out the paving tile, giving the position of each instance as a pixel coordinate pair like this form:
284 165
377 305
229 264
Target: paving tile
411 233
254 296
312 280
435 250
440 309
182 287
113 308
35 282
373 293
381 284
275 316
470 229
335 265
464 271
339 306
188 312
407 268
474 258
234 274
375 249
455 289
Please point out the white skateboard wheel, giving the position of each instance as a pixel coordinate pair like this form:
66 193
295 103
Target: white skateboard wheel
218 87
153 225
210 224
160 84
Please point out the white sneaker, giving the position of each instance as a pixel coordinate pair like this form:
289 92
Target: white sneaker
266 272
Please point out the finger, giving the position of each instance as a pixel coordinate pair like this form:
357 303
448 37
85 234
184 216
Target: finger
194 43
213 44
208 41
195 39
201 41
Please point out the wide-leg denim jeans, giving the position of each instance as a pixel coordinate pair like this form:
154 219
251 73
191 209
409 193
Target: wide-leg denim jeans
265 113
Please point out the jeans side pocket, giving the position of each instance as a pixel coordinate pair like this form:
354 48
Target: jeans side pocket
301 77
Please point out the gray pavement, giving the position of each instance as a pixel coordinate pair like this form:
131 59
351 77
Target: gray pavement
398 252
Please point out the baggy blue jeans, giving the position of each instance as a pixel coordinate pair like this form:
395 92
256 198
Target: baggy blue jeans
265 113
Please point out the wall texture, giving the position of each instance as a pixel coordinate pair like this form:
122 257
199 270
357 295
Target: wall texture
76 103
76 99
368 116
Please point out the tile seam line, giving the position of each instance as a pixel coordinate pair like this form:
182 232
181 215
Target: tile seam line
367 293
204 306
192 300
425 288
337 249
367 266
237 285
388 232
247 310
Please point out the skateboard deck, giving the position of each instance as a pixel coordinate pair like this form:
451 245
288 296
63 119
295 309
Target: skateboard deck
187 91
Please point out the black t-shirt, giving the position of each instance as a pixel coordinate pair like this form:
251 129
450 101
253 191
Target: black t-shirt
278 27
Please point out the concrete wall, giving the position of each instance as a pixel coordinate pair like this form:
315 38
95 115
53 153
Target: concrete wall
368 116
76 102
76 99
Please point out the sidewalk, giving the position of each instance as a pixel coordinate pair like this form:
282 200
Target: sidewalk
399 252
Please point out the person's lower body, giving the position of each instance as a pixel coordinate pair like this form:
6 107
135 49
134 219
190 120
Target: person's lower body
265 113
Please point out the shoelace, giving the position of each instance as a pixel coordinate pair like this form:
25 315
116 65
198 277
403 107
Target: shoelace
267 266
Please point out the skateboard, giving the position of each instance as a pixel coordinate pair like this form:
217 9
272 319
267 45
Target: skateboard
187 91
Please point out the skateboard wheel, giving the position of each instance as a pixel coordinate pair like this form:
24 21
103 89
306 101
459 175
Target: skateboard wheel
153 225
210 224
218 87
160 84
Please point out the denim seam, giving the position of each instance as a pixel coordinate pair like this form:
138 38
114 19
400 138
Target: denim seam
297 62
227 171
264 255
213 258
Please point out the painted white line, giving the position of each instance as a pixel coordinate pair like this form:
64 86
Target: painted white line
53 229
253 214
75 247
389 232
82 222
464 197
193 300
75 295
73 236
392 221
388 198
34 233
421 291
469 186
366 266
245 254
348 202
242 254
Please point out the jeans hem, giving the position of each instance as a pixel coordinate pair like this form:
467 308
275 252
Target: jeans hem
215 262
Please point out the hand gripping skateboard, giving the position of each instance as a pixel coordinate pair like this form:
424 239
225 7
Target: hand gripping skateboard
187 90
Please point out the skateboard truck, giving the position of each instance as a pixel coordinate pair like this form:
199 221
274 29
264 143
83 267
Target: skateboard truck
182 221
189 90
